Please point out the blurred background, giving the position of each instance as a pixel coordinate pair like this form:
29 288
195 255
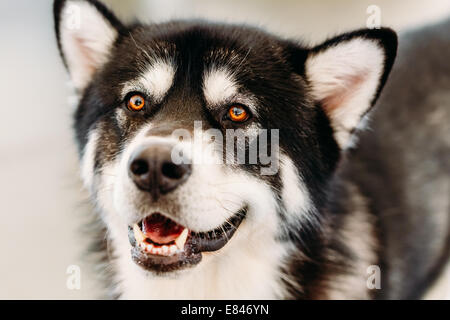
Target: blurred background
42 203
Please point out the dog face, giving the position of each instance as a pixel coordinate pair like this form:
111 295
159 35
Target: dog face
201 141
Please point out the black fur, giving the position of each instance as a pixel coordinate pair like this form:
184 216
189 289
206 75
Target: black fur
271 70
399 163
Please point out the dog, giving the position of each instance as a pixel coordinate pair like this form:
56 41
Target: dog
305 204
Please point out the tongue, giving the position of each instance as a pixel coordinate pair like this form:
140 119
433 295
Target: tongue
160 229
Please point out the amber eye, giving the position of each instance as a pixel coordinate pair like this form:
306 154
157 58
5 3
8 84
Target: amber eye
238 113
136 102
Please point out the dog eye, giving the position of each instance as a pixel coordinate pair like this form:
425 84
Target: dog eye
238 113
136 102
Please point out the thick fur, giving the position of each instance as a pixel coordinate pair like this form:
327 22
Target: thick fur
335 206
402 165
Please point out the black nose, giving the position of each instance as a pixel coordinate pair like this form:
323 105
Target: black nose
152 170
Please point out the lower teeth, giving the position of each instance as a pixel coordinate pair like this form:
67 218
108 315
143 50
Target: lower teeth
165 250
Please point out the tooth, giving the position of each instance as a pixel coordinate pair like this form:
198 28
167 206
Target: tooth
149 247
173 249
138 235
181 240
165 249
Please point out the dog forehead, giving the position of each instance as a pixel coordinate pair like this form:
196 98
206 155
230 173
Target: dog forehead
187 71
200 65
191 45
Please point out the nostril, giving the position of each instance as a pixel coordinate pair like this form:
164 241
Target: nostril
139 167
173 171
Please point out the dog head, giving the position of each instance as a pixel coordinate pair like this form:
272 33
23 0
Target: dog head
197 137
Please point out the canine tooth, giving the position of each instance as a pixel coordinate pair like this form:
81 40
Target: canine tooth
149 247
138 235
181 240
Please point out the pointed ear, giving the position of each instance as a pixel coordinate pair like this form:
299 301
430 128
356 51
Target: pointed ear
86 31
346 75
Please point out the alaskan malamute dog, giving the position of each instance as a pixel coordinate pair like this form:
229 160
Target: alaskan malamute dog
225 162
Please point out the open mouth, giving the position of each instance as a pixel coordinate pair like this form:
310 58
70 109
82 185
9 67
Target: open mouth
160 244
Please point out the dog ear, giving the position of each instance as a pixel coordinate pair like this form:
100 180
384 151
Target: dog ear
346 75
86 31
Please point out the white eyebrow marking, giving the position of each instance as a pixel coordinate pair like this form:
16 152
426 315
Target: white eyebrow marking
219 85
155 81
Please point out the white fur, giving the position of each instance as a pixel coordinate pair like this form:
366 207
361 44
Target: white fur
295 195
441 288
88 159
86 39
121 117
219 85
249 264
213 193
246 268
348 72
155 81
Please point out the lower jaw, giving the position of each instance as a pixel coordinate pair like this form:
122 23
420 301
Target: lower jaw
165 264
